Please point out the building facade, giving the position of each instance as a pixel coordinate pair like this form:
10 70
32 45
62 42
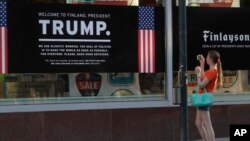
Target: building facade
77 70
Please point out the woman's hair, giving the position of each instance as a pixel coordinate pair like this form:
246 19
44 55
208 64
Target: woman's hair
215 56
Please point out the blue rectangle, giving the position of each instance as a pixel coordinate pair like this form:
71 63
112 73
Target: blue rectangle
3 14
146 18
121 78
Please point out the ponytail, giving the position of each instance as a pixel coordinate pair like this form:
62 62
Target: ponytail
215 56
220 74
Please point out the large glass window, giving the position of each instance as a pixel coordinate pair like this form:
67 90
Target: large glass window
218 20
80 87
30 87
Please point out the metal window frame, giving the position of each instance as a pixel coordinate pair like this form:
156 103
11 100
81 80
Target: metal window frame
115 105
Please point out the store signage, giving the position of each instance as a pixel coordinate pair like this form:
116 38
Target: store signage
209 36
88 84
99 84
192 79
216 3
101 2
122 92
91 28
229 78
45 38
121 78
223 29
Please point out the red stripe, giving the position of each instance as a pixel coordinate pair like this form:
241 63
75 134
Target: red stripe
153 40
148 55
148 61
150 52
139 51
142 50
6 50
144 53
1 50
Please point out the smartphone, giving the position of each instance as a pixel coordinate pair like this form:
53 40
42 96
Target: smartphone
199 57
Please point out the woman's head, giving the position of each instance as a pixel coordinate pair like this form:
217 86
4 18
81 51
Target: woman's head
213 57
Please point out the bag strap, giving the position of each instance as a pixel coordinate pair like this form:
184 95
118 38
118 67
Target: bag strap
197 88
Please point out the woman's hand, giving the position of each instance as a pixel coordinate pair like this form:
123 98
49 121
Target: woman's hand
198 71
202 60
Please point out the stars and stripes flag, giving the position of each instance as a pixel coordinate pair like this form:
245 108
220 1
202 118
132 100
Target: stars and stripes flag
146 40
3 38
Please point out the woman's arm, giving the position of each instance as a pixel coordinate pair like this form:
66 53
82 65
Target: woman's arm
203 83
202 63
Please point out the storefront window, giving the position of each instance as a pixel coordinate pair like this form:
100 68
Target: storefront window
214 3
209 24
51 64
235 86
80 87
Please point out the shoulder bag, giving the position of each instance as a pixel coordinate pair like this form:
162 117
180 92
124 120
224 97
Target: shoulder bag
201 100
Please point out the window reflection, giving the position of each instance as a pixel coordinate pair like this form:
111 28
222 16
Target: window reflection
81 86
234 82
63 85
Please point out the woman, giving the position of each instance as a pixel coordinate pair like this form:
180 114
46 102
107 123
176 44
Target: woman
210 80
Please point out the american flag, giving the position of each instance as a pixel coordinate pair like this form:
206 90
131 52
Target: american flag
3 37
146 40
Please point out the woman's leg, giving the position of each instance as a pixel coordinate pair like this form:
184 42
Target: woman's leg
206 120
199 125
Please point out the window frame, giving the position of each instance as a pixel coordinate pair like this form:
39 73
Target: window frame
167 102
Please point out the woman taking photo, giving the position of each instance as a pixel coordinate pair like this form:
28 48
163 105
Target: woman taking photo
210 80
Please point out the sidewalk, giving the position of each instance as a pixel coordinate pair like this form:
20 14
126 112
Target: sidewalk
218 139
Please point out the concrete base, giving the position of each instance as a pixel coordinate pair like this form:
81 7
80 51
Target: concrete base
218 139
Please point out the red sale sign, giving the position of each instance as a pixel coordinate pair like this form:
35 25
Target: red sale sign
217 3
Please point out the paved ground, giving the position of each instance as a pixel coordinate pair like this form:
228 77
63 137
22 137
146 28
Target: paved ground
218 139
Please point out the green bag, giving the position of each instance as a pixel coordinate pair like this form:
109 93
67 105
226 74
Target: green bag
201 100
